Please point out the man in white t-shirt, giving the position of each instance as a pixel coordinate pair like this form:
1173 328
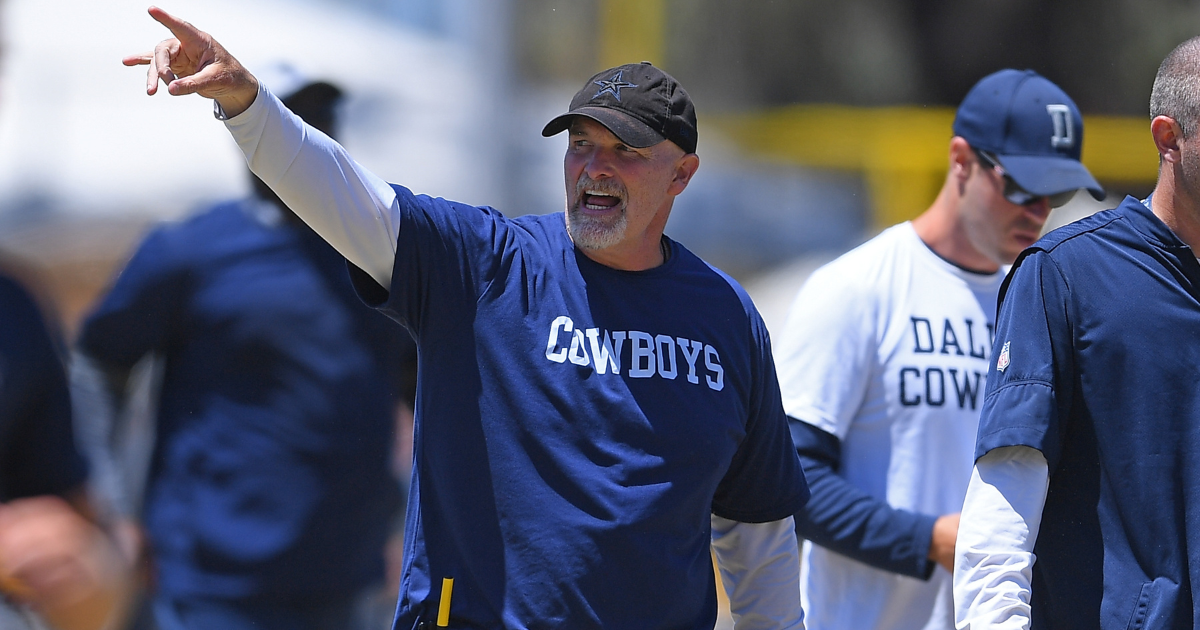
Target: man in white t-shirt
884 357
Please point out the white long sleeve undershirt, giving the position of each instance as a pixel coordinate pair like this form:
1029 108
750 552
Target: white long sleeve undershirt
760 568
993 563
349 206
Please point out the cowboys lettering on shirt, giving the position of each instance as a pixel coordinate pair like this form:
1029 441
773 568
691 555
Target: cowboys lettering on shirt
939 385
649 354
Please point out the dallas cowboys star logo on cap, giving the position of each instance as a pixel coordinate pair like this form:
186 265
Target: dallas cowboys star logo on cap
613 86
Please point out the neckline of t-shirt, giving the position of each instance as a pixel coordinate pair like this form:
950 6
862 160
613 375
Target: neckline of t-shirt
970 275
653 272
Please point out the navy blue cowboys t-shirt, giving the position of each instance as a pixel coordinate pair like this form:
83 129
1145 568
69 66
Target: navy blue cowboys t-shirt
576 425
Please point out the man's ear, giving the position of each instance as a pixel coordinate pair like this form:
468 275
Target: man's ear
962 159
1166 133
684 169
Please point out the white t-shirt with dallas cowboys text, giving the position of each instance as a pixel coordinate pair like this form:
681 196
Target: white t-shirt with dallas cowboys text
887 349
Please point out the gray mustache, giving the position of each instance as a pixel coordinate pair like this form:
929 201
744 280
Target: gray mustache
603 186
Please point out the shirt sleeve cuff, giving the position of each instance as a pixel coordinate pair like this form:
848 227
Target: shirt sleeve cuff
1022 413
922 539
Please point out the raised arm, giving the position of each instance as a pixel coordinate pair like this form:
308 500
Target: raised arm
351 208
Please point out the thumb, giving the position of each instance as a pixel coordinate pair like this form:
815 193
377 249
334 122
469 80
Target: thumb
190 84
212 79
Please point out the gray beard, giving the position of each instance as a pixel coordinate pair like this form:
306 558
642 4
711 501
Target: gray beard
591 233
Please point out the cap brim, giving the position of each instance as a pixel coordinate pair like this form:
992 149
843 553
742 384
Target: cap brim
1050 175
630 130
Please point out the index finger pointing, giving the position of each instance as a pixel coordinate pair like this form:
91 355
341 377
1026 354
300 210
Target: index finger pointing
182 30
137 60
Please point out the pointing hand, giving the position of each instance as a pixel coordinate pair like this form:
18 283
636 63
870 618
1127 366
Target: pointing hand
192 62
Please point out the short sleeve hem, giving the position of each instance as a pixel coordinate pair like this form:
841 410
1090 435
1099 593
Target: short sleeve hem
1019 414
816 418
778 512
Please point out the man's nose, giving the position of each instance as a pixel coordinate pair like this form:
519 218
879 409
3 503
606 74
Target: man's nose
1039 209
600 164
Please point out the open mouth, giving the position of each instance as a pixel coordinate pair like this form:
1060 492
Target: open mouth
596 200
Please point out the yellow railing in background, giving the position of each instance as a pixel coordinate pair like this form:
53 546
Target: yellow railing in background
901 151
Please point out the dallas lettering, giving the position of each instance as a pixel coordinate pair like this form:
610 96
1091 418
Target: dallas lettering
951 341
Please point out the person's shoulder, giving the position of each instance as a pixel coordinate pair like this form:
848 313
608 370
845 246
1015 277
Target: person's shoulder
864 268
547 223
14 296
1081 232
440 215
703 273
219 217
19 309
1069 249
878 251
1074 244
189 236
542 231
1085 233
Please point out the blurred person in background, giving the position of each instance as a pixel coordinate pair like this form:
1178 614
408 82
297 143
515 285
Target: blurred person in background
57 566
270 491
883 357
1081 512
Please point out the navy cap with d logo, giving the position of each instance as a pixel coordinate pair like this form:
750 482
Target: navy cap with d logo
639 103
1033 129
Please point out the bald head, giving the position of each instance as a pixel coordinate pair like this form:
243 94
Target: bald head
1176 92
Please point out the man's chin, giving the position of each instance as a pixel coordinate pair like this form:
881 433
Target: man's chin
591 234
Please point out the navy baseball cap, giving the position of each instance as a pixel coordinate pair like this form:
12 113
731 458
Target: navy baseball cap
639 103
1033 129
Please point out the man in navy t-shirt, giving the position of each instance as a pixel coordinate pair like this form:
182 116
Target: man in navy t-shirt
1082 509
596 406
270 492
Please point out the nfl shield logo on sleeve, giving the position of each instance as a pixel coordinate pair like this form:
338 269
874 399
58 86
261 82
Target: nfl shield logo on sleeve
1002 360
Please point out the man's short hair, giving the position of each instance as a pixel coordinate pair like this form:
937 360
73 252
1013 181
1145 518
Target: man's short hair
1176 92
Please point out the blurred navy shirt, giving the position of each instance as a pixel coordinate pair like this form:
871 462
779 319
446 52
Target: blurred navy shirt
270 474
37 446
